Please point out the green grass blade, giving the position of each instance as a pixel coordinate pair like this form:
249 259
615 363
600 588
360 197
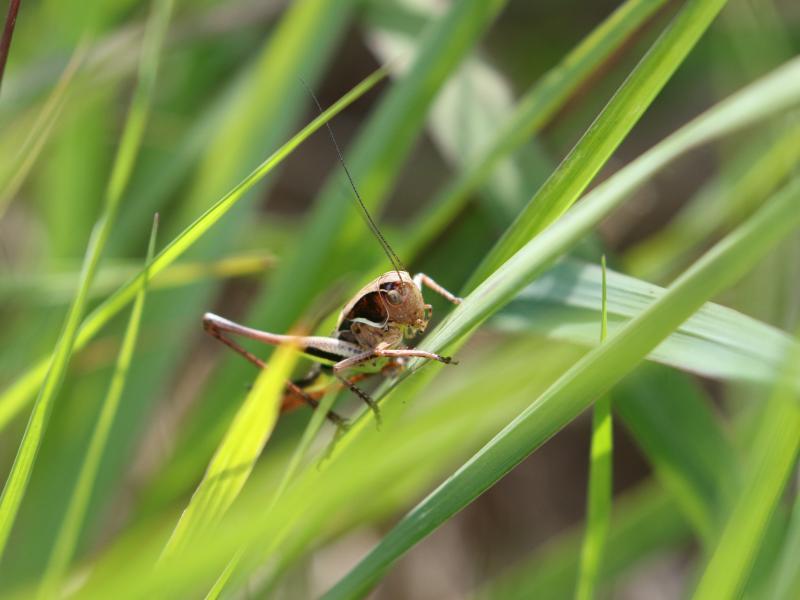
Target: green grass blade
17 395
233 461
769 468
619 116
533 110
595 374
20 473
598 504
716 342
67 539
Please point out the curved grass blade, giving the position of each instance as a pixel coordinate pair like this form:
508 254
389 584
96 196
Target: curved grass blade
610 127
716 342
132 133
67 539
236 455
594 374
16 396
598 504
769 467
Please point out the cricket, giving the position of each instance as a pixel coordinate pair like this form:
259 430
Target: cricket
371 332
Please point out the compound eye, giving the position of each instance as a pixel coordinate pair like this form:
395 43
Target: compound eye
394 297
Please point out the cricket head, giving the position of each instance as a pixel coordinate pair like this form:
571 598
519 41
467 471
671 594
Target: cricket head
403 301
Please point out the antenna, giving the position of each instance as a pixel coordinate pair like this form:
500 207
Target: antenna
390 254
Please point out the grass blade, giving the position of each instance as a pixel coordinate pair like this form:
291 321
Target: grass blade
574 391
769 467
619 116
20 473
73 521
233 461
598 504
715 342
16 396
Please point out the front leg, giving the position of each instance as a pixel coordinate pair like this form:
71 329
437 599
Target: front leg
421 279
369 355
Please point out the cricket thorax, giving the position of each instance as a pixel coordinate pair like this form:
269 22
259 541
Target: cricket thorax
385 311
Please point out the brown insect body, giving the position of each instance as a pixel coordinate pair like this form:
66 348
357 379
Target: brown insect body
384 312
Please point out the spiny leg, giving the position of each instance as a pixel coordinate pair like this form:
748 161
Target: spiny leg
212 326
354 361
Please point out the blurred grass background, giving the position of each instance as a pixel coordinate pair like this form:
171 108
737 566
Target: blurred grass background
483 102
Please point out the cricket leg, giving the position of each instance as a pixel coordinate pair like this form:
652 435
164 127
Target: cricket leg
322 347
414 353
401 353
421 279
217 326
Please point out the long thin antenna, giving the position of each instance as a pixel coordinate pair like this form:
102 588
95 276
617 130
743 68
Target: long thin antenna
393 258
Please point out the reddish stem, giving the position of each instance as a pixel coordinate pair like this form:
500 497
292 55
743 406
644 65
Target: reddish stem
8 31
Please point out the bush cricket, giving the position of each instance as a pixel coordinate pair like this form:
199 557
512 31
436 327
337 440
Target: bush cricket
369 335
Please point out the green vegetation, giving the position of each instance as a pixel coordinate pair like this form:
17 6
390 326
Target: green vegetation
504 148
